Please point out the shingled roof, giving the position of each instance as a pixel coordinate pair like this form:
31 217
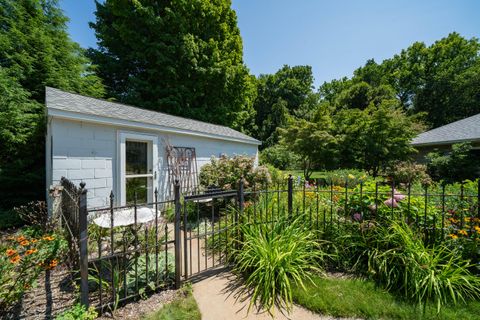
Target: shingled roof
81 105
459 131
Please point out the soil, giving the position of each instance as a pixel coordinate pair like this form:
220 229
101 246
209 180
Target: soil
136 310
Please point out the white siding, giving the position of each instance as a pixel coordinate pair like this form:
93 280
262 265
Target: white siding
88 152
84 152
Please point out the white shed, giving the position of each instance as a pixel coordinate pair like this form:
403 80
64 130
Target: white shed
116 147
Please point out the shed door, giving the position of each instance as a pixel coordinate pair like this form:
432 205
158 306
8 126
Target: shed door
139 159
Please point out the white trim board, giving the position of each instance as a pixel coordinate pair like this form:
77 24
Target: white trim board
122 136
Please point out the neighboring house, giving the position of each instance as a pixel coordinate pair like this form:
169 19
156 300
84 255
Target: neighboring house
442 138
115 147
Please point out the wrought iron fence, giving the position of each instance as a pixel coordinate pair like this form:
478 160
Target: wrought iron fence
131 251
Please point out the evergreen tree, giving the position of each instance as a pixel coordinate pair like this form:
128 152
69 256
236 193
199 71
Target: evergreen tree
180 57
35 51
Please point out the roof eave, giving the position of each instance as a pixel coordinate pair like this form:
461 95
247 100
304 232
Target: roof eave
77 116
442 143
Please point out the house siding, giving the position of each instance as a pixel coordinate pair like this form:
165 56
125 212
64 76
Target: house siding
84 152
88 152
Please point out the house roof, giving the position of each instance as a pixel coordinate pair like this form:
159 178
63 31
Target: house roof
467 129
70 105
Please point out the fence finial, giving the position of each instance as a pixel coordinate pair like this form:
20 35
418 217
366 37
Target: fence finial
112 195
82 185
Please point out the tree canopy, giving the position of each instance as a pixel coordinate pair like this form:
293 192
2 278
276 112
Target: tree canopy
287 92
367 121
441 80
180 57
35 51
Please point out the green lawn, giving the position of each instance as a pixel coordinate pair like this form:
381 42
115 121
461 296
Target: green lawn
360 298
184 307
340 173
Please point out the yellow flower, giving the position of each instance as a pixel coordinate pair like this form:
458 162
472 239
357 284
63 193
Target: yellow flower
467 219
351 176
21 238
31 251
453 220
453 236
477 228
310 194
48 238
11 252
34 240
463 232
15 259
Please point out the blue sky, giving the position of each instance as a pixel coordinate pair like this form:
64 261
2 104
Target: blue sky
334 37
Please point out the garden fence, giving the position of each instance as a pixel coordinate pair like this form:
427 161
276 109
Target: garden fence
127 252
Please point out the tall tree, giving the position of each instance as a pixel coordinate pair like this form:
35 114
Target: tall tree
35 51
312 141
177 56
450 72
287 92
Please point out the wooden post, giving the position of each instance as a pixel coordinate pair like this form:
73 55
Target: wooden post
83 244
178 210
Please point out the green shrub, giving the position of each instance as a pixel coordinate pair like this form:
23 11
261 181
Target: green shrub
225 173
274 256
457 165
78 312
280 157
341 176
409 172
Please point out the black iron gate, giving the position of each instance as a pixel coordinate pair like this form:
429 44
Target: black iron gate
207 223
120 260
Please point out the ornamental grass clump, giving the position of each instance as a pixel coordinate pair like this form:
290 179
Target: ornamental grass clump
274 256
402 262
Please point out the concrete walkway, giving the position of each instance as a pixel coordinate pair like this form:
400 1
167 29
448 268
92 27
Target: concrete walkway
218 298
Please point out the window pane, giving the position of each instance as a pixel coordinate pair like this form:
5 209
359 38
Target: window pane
136 157
140 185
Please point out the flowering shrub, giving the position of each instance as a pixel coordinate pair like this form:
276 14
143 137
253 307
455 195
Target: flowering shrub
22 258
225 173
409 172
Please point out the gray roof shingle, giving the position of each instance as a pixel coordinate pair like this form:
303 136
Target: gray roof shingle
71 102
467 129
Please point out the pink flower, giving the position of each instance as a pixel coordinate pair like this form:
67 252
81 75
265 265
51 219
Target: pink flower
398 197
390 202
